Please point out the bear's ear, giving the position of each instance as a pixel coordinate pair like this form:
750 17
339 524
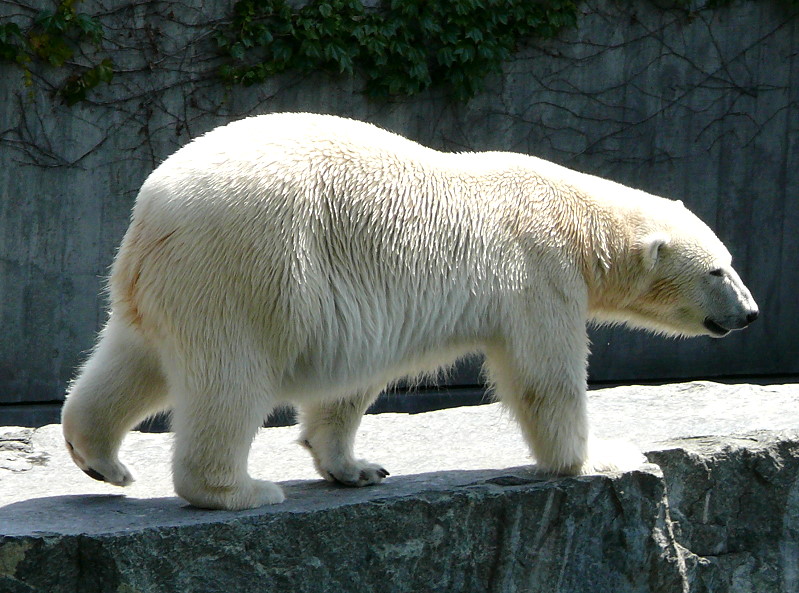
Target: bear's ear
651 247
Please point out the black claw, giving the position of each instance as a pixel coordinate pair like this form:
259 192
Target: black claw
71 448
363 478
307 444
93 473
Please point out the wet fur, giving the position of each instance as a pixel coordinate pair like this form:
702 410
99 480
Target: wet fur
295 259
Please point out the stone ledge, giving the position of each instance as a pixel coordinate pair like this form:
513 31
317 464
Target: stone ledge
446 520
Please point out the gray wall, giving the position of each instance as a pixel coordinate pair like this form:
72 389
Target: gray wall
701 107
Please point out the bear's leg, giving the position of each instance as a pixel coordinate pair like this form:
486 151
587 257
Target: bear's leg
214 428
328 432
119 386
548 399
550 409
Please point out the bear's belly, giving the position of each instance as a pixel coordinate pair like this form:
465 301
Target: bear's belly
322 375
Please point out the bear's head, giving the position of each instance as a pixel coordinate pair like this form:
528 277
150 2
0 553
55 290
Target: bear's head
684 283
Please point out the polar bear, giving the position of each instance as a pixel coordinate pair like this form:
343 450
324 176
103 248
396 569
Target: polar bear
311 260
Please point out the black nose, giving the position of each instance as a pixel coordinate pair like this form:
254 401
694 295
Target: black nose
752 316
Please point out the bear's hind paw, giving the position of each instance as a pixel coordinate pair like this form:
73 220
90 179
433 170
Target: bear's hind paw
103 470
356 474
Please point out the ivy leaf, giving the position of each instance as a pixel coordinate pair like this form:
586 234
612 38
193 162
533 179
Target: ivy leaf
475 35
311 48
89 27
105 70
46 20
11 49
264 37
237 51
282 52
222 42
420 72
445 56
429 25
9 31
226 73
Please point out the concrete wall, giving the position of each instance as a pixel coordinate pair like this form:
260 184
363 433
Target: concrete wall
701 107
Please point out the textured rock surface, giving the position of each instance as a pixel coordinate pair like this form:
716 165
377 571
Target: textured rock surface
735 507
716 514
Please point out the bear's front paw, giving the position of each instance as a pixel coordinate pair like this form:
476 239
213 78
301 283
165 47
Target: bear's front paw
356 473
611 456
246 494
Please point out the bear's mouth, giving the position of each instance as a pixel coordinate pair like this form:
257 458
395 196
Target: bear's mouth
714 328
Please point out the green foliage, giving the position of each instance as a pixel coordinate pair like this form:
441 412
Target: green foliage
402 47
78 85
13 48
399 47
52 39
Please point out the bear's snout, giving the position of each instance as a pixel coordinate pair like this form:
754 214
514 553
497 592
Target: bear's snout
733 306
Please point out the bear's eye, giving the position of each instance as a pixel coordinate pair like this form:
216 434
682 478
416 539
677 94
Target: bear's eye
717 272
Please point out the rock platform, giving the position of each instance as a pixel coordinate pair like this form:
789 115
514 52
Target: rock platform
716 509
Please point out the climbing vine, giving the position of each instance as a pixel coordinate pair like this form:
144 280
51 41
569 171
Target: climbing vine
53 38
397 47
401 47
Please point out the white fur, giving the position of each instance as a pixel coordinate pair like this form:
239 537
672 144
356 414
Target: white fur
311 260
